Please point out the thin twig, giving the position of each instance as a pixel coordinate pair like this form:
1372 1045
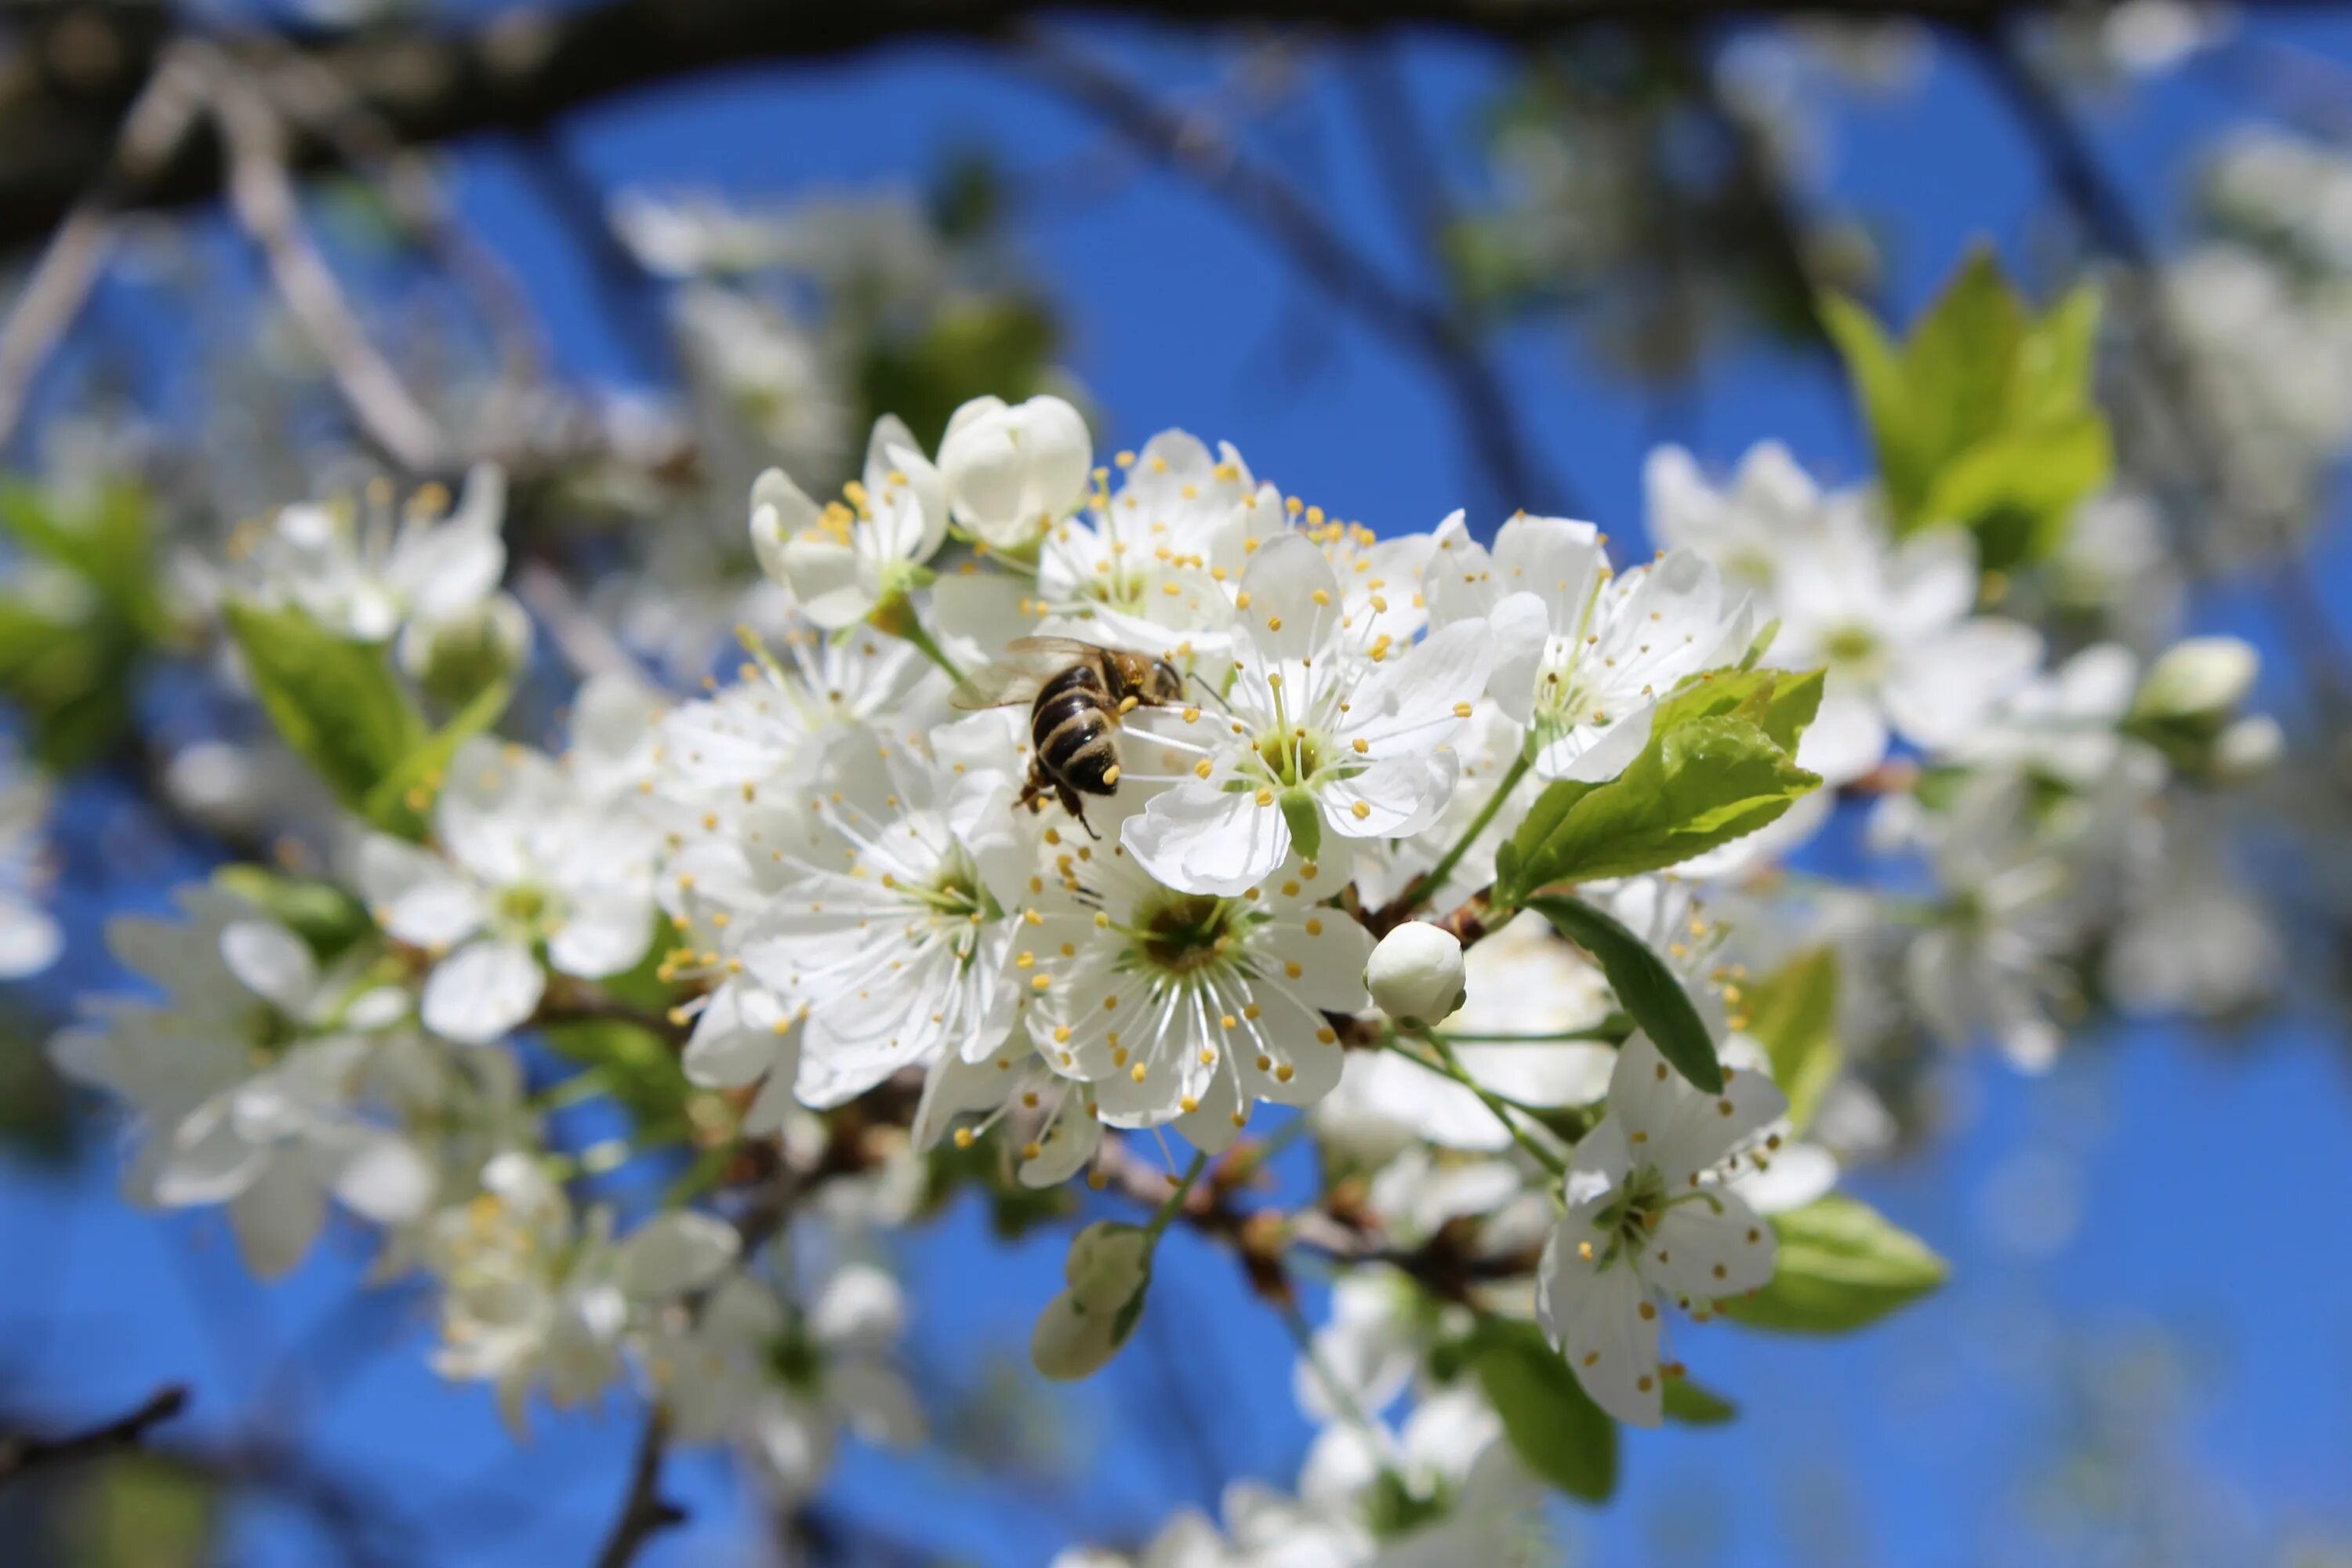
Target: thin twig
1199 150
644 1512
324 104
51 300
19 1455
2108 220
261 193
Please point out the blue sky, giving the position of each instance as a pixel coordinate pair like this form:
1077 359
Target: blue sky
2146 1243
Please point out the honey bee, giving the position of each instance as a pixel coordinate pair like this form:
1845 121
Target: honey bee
1077 693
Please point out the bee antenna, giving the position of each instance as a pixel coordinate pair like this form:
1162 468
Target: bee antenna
1213 694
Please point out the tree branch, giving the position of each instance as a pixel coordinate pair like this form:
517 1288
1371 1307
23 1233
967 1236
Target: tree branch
2108 220
1277 211
261 192
644 1513
525 70
127 1431
157 124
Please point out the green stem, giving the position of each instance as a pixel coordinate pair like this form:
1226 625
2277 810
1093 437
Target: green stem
1610 1031
580 1085
1175 1203
1343 1398
1429 881
1452 1067
910 627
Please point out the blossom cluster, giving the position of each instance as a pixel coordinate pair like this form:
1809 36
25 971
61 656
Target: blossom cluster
1281 841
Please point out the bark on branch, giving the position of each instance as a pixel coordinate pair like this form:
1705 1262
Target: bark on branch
523 71
19 1455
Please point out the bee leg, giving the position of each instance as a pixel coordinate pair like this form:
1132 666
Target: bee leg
1033 793
1076 804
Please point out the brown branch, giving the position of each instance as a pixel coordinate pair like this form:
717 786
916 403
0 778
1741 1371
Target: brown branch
261 194
45 310
2108 220
20 1455
644 1513
526 69
1431 331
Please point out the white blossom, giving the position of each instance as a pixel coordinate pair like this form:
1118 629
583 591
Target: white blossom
529 870
892 934
29 938
249 1077
1187 1007
366 574
845 560
1649 1221
1322 732
1013 471
1582 654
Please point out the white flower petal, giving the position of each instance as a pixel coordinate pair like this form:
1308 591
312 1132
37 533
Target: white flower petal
1198 838
481 992
272 962
603 935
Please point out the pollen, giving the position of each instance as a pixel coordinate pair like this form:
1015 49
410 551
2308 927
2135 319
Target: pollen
1359 811
1136 1072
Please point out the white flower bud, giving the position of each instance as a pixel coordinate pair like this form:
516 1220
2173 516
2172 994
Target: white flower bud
2201 679
2248 747
1011 469
1108 1269
1415 974
458 657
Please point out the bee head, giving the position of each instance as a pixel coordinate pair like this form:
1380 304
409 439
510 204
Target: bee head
1166 683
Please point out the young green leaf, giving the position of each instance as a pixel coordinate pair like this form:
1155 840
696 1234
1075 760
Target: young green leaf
1556 1430
1695 1404
1792 1013
1645 987
1842 1265
1702 781
395 802
335 703
1985 416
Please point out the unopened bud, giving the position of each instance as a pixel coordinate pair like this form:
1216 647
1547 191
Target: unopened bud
2201 679
1109 1271
456 658
1010 469
1415 974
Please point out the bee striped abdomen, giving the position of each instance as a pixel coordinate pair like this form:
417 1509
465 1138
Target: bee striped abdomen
1071 727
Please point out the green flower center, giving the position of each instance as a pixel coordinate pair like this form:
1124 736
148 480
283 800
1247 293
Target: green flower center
1292 757
1180 934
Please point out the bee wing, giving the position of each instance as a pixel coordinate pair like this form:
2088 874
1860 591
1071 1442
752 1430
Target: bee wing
1028 664
1050 653
995 686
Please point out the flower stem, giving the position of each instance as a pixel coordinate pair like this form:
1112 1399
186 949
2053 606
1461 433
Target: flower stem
1451 1065
1175 1203
1429 881
910 627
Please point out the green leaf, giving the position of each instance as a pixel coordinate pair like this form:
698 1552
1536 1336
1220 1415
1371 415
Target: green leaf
1557 1429
1842 1265
1701 782
335 703
1985 416
1695 1404
397 802
2018 490
1781 703
1792 1013
1645 987
323 914
109 545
